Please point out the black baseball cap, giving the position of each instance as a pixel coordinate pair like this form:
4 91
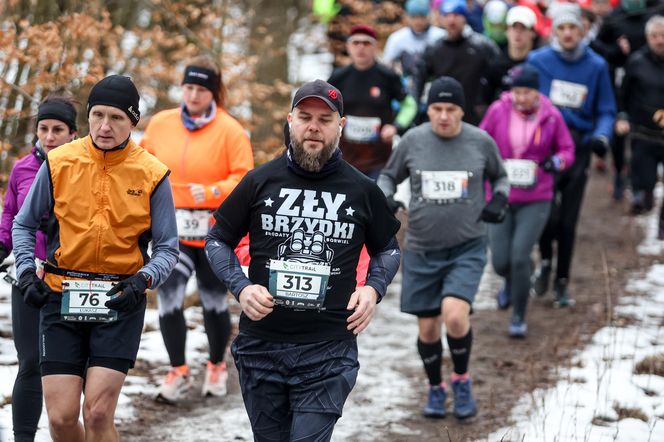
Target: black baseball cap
323 91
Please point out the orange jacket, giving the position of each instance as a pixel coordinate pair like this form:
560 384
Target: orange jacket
217 156
102 207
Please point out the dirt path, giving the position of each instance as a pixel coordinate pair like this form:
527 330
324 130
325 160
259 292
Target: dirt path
391 388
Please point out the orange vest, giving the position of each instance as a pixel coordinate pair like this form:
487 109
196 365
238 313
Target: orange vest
217 156
102 208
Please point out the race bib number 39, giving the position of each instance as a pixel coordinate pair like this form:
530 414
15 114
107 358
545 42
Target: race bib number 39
83 301
444 185
521 173
568 94
298 285
361 129
192 224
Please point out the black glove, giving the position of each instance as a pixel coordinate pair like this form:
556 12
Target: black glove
133 292
4 253
598 145
395 205
552 164
494 211
35 291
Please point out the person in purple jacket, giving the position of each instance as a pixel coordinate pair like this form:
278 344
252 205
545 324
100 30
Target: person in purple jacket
535 144
56 125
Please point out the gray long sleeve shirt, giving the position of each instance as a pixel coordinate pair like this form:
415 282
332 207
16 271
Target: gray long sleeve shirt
165 251
447 179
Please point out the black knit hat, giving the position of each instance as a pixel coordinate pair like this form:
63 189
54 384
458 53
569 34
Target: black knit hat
446 90
524 75
117 91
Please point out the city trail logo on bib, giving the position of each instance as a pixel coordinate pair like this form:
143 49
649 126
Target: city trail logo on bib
308 216
568 94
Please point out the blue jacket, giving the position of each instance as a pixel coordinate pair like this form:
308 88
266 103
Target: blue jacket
596 113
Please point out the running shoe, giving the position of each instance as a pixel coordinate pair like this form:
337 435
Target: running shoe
464 404
504 298
216 377
175 385
517 329
541 279
435 406
562 294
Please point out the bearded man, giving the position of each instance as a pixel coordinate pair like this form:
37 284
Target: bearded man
308 214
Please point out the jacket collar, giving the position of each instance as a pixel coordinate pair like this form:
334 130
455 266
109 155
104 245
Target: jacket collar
109 157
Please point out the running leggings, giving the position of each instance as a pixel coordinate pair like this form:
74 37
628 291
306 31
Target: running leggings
511 243
214 299
568 196
27 393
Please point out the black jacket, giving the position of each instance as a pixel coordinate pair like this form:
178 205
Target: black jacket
642 91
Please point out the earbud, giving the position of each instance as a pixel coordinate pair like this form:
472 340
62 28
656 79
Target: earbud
340 129
290 126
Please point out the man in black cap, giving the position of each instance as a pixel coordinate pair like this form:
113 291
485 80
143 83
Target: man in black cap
447 161
106 198
307 213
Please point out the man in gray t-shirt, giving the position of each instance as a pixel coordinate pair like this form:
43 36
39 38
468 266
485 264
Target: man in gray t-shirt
444 254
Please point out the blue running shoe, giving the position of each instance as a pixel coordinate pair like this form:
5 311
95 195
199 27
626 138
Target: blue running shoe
517 329
435 406
504 298
464 404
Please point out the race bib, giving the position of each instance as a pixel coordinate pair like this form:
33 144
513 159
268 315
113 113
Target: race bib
521 173
298 285
362 129
567 94
444 185
83 301
192 224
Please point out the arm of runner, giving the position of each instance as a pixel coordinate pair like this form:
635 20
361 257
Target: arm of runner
605 108
256 302
224 262
495 171
165 250
363 301
382 268
8 213
38 201
395 171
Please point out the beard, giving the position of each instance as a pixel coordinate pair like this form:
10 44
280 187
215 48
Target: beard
312 162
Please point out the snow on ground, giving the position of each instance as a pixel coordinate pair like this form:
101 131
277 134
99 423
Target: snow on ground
600 380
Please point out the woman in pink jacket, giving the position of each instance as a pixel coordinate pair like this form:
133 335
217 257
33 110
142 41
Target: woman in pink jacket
535 144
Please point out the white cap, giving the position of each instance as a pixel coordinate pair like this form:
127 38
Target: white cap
523 15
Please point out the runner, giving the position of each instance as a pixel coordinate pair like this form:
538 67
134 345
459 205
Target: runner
106 198
642 116
447 162
208 152
56 125
576 80
535 143
308 214
370 88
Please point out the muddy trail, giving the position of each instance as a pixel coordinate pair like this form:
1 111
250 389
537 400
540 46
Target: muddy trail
385 404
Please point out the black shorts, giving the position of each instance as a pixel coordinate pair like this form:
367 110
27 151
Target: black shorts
278 379
67 347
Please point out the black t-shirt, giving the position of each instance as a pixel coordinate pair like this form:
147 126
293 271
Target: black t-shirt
367 94
329 218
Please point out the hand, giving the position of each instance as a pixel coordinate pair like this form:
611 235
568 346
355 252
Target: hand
132 293
623 44
599 146
622 127
552 164
35 291
256 302
395 205
387 132
494 211
658 118
4 253
198 192
363 301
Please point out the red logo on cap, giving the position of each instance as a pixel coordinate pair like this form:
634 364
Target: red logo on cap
332 94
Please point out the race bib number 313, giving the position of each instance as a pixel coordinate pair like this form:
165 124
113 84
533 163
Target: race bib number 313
444 185
298 285
83 301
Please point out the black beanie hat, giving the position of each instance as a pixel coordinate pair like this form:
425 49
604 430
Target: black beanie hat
57 109
524 75
446 90
117 91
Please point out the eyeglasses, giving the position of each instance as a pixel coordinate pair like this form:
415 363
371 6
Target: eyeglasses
361 42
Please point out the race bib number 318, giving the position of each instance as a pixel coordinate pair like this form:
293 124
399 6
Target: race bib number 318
444 185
